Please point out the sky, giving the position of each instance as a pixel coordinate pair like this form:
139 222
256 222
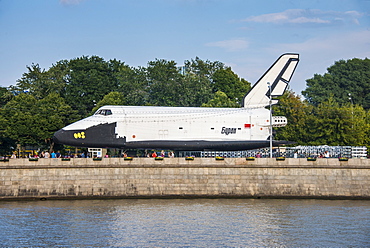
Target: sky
247 35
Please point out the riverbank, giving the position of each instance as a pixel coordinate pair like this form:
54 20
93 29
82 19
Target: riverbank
84 178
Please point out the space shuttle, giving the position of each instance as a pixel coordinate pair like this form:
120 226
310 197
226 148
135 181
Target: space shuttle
188 128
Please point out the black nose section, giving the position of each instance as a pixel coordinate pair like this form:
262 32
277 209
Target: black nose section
101 136
70 137
58 137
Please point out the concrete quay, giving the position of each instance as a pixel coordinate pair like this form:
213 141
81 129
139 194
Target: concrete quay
84 178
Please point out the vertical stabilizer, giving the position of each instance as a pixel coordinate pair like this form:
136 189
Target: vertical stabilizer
278 76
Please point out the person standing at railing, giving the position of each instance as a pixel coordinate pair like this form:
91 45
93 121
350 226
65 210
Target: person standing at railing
326 154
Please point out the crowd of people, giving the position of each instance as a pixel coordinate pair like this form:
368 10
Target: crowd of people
161 154
47 154
53 154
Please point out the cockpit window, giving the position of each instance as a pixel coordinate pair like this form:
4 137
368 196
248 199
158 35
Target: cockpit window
103 112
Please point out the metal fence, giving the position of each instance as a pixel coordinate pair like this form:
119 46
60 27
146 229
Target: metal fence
288 152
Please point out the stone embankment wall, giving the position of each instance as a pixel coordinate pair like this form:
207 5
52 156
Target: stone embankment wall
176 177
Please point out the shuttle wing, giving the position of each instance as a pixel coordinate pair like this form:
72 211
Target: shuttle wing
278 76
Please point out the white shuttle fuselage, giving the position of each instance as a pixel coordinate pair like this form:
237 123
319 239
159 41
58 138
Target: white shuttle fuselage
187 128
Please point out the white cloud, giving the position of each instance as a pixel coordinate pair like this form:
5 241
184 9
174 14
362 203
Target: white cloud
230 45
308 20
307 16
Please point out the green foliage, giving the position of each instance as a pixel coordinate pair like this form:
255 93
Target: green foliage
112 98
220 101
366 131
54 114
227 81
40 83
89 80
296 111
30 121
32 81
5 96
343 78
329 123
132 85
163 80
202 68
5 142
194 91
20 119
338 125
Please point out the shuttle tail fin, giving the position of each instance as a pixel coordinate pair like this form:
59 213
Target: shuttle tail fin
278 76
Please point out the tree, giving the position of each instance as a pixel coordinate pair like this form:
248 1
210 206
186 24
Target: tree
343 78
221 100
327 124
213 77
366 132
164 80
5 96
81 81
227 81
331 124
202 68
112 98
30 121
31 81
194 90
296 111
40 82
59 77
133 85
19 118
89 80
53 114
5 142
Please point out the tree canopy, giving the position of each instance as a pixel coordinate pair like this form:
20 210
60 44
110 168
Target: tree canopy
329 123
346 81
220 101
227 81
112 98
32 121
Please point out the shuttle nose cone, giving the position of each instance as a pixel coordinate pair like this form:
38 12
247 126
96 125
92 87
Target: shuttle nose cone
58 137
68 137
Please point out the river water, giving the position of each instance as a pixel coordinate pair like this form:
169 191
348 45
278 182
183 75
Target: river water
185 223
